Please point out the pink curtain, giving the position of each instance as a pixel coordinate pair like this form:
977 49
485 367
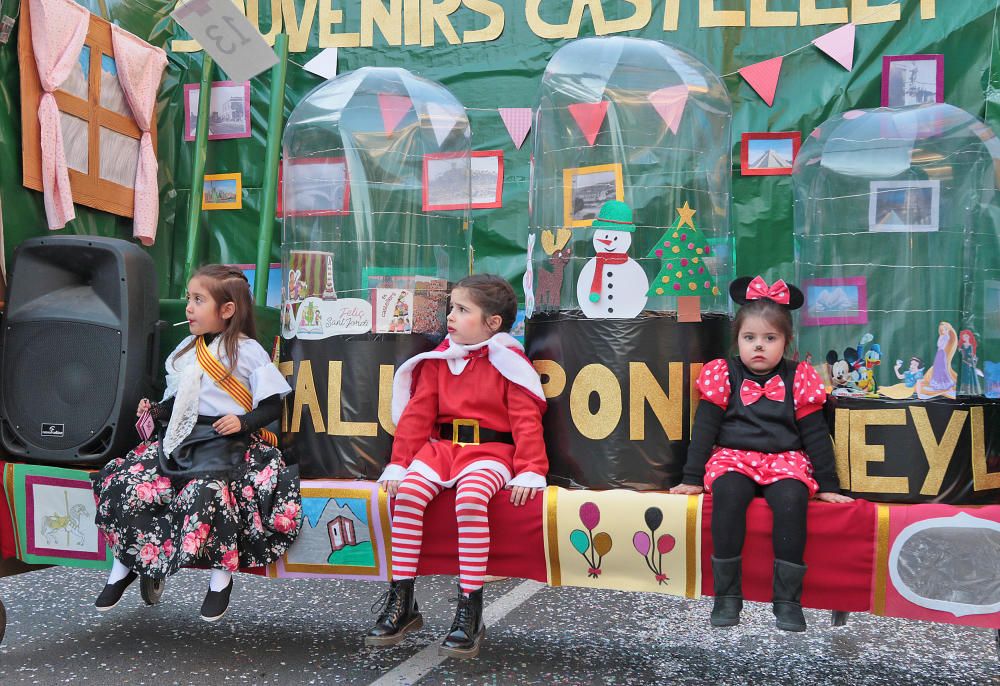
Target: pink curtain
58 29
140 67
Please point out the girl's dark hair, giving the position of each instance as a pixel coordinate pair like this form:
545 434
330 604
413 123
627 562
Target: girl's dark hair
768 310
229 284
494 296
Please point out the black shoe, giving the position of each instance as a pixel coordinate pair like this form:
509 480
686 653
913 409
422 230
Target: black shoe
112 593
727 577
399 615
467 630
787 596
216 603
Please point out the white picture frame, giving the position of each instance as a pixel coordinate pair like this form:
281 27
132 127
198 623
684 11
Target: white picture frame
904 206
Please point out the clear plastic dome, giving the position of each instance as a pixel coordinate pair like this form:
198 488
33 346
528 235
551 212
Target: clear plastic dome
649 124
898 249
375 201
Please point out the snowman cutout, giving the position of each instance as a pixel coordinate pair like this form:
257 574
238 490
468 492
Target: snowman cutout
612 285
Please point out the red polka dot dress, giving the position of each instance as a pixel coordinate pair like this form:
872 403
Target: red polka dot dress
756 429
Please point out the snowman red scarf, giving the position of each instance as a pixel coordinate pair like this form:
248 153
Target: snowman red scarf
604 258
506 355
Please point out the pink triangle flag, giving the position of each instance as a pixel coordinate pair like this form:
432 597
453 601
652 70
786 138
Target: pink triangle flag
589 116
518 123
670 102
839 45
763 78
394 108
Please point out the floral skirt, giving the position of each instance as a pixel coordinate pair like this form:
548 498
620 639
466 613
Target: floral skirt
155 525
763 468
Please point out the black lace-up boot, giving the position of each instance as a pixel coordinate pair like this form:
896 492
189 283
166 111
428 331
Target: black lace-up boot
467 630
398 615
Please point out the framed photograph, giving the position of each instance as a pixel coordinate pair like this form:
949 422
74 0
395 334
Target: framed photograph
222 192
446 181
274 281
487 179
835 301
228 111
585 189
319 187
912 79
765 153
904 205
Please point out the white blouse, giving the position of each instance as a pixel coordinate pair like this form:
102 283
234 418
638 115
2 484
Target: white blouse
254 370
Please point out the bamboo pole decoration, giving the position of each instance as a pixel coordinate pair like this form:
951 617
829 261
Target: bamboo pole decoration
275 122
198 171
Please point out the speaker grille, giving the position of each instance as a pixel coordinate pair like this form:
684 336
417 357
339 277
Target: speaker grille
60 373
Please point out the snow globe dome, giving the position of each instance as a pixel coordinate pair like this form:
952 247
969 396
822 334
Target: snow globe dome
642 122
374 197
898 247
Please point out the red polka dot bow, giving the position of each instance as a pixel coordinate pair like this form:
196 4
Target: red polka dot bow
778 291
773 389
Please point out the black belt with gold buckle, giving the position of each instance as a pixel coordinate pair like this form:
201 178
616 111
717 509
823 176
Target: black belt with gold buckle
469 432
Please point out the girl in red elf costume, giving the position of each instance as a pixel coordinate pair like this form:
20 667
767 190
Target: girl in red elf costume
468 416
759 430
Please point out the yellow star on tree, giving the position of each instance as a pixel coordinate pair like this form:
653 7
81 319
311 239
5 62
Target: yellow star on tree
687 214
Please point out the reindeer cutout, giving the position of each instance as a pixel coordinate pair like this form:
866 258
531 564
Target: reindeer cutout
549 288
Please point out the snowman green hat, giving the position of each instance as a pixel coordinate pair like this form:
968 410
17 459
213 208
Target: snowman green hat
614 216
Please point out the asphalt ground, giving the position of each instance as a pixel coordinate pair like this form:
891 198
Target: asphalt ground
288 631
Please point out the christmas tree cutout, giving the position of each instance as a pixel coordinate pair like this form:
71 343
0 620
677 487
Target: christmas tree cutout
683 272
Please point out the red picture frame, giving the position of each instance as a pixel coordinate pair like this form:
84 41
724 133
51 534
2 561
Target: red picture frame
751 161
495 201
343 208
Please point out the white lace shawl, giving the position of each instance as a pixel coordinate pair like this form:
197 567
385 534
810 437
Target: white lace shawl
184 376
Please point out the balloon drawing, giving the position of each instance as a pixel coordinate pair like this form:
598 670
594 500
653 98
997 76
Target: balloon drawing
593 547
643 544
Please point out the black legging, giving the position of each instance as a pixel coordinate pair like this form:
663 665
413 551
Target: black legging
788 498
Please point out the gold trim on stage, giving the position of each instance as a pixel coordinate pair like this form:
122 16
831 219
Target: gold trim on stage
881 559
692 547
552 534
383 512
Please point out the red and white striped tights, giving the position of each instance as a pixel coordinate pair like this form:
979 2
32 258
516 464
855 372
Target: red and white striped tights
474 491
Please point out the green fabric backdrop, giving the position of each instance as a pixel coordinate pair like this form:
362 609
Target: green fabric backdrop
505 72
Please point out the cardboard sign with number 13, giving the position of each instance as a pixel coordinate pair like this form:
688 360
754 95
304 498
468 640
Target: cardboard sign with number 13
227 36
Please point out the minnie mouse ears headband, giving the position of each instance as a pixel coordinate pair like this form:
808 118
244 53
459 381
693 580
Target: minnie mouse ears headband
746 289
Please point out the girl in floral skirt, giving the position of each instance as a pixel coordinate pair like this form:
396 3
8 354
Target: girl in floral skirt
213 488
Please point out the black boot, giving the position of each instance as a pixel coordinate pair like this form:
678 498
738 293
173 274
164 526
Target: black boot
787 596
467 630
728 578
399 615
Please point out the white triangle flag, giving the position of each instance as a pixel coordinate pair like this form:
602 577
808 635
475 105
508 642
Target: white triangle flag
443 120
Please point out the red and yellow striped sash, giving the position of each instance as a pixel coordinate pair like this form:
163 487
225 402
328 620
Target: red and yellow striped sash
229 383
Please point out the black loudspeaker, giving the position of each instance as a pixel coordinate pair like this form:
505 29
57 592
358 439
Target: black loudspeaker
80 340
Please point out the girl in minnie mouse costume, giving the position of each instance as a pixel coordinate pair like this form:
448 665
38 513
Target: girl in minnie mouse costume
759 430
468 416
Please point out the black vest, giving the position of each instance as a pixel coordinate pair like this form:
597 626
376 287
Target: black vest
766 426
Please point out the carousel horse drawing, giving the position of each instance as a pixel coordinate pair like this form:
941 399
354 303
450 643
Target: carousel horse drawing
69 523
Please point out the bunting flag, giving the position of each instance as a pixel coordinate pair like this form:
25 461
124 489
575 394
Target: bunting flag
394 108
443 120
518 123
839 45
589 116
670 102
763 77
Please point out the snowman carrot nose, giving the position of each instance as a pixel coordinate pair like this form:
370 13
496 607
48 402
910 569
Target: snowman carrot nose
605 241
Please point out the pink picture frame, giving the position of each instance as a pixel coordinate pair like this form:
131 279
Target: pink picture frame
34 546
234 121
906 82
835 301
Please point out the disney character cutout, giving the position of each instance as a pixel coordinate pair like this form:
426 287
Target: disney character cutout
902 391
940 380
969 378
